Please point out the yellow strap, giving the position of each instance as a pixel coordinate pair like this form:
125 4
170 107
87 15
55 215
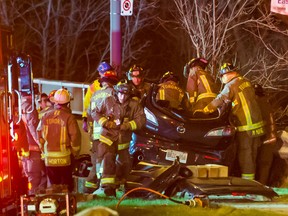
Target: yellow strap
249 176
206 95
102 120
105 140
251 127
245 108
123 146
133 125
205 83
161 94
108 180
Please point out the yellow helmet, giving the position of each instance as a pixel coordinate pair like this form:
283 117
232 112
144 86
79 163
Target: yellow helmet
61 96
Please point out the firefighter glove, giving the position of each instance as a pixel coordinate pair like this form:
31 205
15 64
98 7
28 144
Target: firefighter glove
110 124
85 125
125 126
206 110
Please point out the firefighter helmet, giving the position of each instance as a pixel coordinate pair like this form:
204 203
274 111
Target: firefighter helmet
202 62
103 67
169 76
226 68
135 71
61 96
109 76
123 87
51 94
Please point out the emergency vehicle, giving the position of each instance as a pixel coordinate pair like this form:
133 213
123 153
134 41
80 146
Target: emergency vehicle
15 79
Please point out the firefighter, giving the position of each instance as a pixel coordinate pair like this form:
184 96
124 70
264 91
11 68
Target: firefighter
102 68
201 86
106 72
268 141
136 77
49 104
170 91
33 165
60 139
42 101
245 116
104 152
131 117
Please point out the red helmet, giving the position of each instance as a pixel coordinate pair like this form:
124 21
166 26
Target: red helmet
110 77
202 62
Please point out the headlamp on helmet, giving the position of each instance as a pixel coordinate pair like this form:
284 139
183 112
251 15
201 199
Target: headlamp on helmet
226 68
123 87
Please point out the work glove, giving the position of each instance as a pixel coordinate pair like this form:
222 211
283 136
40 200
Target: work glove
110 125
125 126
85 125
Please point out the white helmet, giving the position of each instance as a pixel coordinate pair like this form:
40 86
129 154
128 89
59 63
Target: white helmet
61 96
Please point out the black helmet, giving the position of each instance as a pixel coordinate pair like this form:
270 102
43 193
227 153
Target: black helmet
227 68
258 90
135 71
169 76
202 62
123 87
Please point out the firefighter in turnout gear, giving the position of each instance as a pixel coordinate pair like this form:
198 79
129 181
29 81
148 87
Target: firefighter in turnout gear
102 68
136 76
245 116
170 91
61 140
33 165
201 86
108 80
268 141
132 117
49 104
109 76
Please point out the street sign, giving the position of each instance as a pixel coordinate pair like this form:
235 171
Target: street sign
279 6
126 7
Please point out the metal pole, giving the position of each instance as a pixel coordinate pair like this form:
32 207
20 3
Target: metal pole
115 35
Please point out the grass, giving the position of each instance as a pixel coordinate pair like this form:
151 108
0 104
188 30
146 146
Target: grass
165 207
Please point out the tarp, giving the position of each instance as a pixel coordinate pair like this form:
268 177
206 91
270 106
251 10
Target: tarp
279 6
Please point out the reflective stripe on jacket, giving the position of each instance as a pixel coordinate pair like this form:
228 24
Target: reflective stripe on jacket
101 109
201 82
246 114
95 86
170 91
62 134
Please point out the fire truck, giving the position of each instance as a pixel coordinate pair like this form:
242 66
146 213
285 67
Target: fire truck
15 80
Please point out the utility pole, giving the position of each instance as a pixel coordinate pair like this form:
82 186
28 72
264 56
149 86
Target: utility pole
115 36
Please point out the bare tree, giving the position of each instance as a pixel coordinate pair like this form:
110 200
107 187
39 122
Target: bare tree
144 15
239 31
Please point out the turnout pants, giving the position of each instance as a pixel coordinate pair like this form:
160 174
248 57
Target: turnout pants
247 153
